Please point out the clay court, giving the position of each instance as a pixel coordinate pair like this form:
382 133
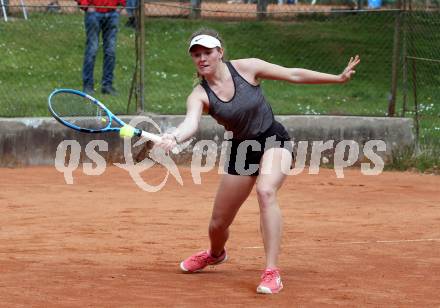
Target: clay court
358 241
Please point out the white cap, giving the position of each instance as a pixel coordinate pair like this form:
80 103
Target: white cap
205 40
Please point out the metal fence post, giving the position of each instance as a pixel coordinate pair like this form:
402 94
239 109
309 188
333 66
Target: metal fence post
5 9
416 104
405 60
395 62
141 55
262 9
196 6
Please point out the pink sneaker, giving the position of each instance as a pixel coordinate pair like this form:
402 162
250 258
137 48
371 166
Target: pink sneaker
200 260
270 282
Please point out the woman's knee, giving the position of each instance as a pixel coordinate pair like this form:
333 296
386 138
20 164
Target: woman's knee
266 194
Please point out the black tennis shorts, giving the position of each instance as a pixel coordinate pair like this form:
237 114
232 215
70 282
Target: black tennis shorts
245 155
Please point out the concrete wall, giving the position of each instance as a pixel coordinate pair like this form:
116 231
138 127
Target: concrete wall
33 141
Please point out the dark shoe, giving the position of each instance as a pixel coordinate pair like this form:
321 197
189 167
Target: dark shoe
131 23
108 90
88 90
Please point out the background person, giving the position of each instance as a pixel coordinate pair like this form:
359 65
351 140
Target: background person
131 12
101 16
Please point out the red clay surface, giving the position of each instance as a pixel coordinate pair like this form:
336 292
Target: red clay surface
359 241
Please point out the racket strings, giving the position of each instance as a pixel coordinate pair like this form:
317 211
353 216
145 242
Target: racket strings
79 111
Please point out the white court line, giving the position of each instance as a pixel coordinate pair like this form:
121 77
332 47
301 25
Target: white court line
394 241
354 243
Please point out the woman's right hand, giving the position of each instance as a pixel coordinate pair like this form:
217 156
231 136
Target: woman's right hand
168 142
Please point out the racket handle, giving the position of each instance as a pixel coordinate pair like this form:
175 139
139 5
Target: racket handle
150 136
155 139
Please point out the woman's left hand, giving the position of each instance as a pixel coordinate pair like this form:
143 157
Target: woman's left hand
349 70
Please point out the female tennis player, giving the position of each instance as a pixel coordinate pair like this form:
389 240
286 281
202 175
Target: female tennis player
230 92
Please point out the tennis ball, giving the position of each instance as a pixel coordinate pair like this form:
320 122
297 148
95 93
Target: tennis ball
103 120
126 131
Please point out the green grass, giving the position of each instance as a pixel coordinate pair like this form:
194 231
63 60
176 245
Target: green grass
324 46
46 52
426 159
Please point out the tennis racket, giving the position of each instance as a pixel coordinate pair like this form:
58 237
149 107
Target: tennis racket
84 113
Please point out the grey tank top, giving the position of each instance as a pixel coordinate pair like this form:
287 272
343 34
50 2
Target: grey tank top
247 114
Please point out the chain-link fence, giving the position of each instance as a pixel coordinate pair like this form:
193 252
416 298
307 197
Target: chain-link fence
238 9
44 47
421 76
318 41
47 51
